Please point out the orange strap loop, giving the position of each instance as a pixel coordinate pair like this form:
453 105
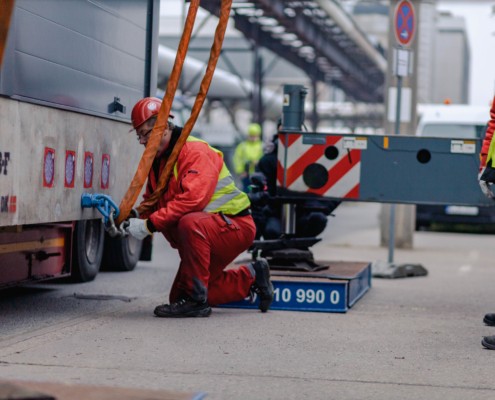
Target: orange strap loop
198 104
156 134
154 141
6 8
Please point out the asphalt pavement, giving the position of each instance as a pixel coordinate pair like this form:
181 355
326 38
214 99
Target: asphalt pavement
411 338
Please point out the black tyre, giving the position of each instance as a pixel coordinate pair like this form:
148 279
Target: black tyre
87 251
121 254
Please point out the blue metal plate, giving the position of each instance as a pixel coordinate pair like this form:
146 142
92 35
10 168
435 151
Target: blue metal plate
317 291
359 286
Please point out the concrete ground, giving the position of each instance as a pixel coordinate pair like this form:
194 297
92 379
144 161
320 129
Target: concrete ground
412 338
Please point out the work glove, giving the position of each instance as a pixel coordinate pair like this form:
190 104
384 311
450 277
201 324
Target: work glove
485 186
137 228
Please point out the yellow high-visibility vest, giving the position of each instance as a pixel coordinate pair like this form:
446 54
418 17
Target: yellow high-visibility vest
491 153
247 153
227 198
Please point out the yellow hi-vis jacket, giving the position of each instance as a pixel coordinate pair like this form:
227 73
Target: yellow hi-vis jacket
247 154
201 182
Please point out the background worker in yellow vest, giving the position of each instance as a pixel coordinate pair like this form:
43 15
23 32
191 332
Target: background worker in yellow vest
247 154
205 217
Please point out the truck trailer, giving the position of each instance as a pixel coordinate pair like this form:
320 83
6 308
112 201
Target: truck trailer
71 73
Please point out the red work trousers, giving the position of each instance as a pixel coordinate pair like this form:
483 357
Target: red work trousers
207 243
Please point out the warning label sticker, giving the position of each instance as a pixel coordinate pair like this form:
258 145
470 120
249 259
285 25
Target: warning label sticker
360 143
463 146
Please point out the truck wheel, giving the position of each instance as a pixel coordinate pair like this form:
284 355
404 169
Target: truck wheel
87 250
121 254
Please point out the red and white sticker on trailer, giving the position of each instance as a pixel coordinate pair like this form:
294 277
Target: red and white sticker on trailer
325 165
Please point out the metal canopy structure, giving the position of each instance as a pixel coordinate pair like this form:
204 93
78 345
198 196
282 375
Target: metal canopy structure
317 36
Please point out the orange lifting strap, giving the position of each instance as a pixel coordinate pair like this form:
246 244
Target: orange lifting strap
151 148
6 8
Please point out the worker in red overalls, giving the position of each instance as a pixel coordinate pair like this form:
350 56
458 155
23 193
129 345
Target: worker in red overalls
486 154
487 178
205 217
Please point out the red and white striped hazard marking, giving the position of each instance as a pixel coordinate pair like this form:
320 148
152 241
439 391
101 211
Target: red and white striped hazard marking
327 169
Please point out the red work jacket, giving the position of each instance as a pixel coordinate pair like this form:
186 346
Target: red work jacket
198 169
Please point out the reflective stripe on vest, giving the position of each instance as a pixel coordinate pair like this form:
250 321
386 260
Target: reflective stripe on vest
227 198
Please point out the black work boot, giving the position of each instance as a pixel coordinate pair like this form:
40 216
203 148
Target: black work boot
262 285
489 319
183 308
488 342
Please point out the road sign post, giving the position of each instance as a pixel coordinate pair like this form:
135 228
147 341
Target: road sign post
401 106
401 69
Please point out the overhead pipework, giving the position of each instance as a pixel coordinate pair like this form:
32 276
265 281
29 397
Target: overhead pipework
224 84
319 37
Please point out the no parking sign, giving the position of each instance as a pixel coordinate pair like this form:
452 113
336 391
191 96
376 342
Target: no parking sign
404 22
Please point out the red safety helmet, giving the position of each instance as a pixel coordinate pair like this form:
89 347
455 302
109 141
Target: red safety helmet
144 109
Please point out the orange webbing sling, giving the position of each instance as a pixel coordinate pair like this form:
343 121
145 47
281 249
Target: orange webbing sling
6 8
154 141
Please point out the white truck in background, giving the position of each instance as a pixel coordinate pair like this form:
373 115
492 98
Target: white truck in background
452 120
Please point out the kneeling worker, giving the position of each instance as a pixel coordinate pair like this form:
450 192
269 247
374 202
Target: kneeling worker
205 217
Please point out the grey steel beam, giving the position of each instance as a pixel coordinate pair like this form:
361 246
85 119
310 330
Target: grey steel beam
364 89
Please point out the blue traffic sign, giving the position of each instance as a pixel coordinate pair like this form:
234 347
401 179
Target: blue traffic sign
404 22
